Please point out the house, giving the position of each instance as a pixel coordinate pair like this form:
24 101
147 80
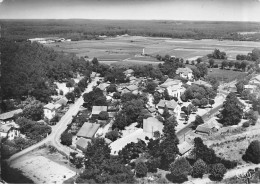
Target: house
132 88
172 106
49 110
97 109
61 102
128 72
203 130
120 143
202 83
174 87
151 125
103 86
152 110
213 125
82 144
185 73
8 117
184 147
250 87
9 131
88 130
255 80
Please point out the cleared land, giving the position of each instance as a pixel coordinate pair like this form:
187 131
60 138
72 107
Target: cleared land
43 166
129 48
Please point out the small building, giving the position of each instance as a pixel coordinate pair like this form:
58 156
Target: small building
88 130
151 125
185 73
113 108
8 117
128 72
61 102
152 110
132 88
49 110
172 106
112 114
255 80
9 131
184 147
82 144
203 130
202 83
103 86
97 109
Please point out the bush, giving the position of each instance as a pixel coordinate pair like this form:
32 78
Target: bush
246 124
103 115
180 169
252 153
141 169
113 135
66 138
153 164
199 169
217 172
116 95
55 119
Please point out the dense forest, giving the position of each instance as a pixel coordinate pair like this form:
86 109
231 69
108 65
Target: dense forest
30 69
90 29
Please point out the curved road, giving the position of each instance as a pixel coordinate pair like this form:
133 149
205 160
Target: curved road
58 129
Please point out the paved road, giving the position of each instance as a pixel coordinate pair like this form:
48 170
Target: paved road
187 129
58 129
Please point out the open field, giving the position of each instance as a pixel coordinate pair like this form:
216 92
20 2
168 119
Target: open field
226 75
43 166
130 48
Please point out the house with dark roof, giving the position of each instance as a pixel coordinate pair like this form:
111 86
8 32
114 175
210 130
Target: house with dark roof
49 110
172 106
88 130
203 130
8 117
97 109
82 144
185 73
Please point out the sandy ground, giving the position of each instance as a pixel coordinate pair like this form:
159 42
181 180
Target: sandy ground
44 167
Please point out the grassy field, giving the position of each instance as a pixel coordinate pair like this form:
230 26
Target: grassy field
118 49
226 75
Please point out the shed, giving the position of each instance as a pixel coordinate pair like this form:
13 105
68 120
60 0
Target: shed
184 147
88 130
97 109
203 130
82 144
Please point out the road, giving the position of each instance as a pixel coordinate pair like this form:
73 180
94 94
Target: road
187 129
58 129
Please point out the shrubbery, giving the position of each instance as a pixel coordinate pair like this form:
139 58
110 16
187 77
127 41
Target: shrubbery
141 169
252 153
199 169
217 172
66 138
180 169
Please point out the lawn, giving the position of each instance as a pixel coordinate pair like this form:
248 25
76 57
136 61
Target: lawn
226 75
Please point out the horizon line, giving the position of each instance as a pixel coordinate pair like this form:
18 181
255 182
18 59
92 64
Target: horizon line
108 19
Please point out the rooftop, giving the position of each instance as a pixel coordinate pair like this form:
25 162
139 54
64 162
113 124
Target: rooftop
169 104
170 82
83 143
132 87
62 101
152 124
184 147
88 130
129 71
203 83
203 129
49 106
103 86
97 109
185 71
10 114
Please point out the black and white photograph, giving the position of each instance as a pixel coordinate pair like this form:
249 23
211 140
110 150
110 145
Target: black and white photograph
130 92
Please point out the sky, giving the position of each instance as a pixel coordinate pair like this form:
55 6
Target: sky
206 10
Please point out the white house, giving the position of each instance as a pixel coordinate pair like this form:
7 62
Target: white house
174 87
185 73
151 125
49 110
9 131
255 80
8 117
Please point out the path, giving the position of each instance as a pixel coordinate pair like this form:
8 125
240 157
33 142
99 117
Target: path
58 129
